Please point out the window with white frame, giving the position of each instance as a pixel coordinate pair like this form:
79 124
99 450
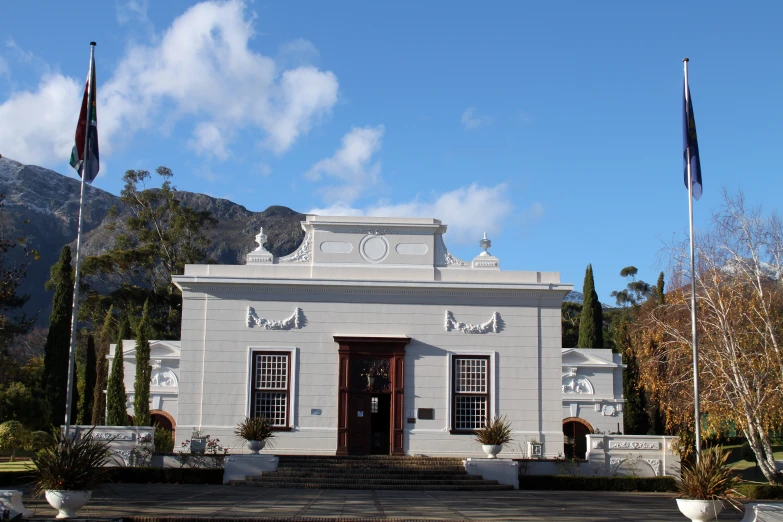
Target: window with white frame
271 381
470 388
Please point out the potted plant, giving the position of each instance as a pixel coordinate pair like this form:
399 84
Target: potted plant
198 442
494 435
69 470
703 486
535 449
256 431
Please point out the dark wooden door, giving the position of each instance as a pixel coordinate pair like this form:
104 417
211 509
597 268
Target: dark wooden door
359 424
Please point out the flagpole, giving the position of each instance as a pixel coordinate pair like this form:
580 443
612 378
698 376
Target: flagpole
694 338
72 349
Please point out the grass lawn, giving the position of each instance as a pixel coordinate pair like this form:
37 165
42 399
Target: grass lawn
748 469
15 466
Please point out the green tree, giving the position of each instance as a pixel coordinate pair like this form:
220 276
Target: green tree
635 292
117 413
15 258
141 386
58 339
659 291
569 322
591 322
13 436
102 369
86 406
20 403
156 241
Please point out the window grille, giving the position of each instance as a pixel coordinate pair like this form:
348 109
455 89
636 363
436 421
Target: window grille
271 387
470 393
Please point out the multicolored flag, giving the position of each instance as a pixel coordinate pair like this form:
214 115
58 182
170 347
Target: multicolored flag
690 144
89 133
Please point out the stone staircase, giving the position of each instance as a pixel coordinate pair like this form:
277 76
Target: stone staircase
372 472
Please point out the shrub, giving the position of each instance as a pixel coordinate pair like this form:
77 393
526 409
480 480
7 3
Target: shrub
575 483
760 491
496 432
13 436
164 441
39 440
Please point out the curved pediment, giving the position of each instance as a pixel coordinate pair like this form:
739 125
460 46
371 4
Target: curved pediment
577 384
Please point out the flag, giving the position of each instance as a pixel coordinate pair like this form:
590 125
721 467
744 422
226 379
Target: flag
91 134
689 141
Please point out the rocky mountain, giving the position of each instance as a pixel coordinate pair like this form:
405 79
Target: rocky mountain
43 206
577 297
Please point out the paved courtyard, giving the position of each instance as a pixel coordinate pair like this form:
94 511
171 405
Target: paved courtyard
211 502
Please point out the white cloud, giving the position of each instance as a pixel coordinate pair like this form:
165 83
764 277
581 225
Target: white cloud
208 141
204 67
297 53
131 10
351 165
469 211
471 119
201 70
39 126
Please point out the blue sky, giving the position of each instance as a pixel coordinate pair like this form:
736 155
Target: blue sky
555 127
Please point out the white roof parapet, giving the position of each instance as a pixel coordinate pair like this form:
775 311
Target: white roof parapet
260 256
485 260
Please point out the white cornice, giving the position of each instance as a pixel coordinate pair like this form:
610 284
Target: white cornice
424 288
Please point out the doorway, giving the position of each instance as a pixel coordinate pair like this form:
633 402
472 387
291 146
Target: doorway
370 395
575 431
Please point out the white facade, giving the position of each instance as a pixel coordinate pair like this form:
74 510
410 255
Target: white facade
592 388
371 313
164 385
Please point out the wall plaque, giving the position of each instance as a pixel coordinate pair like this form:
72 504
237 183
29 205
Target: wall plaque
426 413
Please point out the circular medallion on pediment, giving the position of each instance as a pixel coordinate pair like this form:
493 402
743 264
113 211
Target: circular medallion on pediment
374 248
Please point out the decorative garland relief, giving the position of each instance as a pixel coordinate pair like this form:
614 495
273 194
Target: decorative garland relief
493 325
293 322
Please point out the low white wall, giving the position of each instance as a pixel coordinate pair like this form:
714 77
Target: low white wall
614 456
122 440
633 455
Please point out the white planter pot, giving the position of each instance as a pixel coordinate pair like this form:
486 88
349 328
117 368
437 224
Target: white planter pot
700 510
67 502
491 450
255 446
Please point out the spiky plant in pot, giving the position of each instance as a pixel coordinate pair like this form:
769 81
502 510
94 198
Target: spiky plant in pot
494 435
707 484
257 431
68 470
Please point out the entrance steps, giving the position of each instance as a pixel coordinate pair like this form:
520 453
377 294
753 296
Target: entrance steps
372 472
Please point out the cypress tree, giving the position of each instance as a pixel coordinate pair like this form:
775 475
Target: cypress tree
116 412
141 386
102 370
659 290
86 407
591 322
58 339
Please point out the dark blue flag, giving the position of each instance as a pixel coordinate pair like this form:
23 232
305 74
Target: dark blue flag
689 141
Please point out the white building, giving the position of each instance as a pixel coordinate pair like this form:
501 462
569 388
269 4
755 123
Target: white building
164 384
373 338
592 390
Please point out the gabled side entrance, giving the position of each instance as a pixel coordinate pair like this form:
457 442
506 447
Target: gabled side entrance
371 395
